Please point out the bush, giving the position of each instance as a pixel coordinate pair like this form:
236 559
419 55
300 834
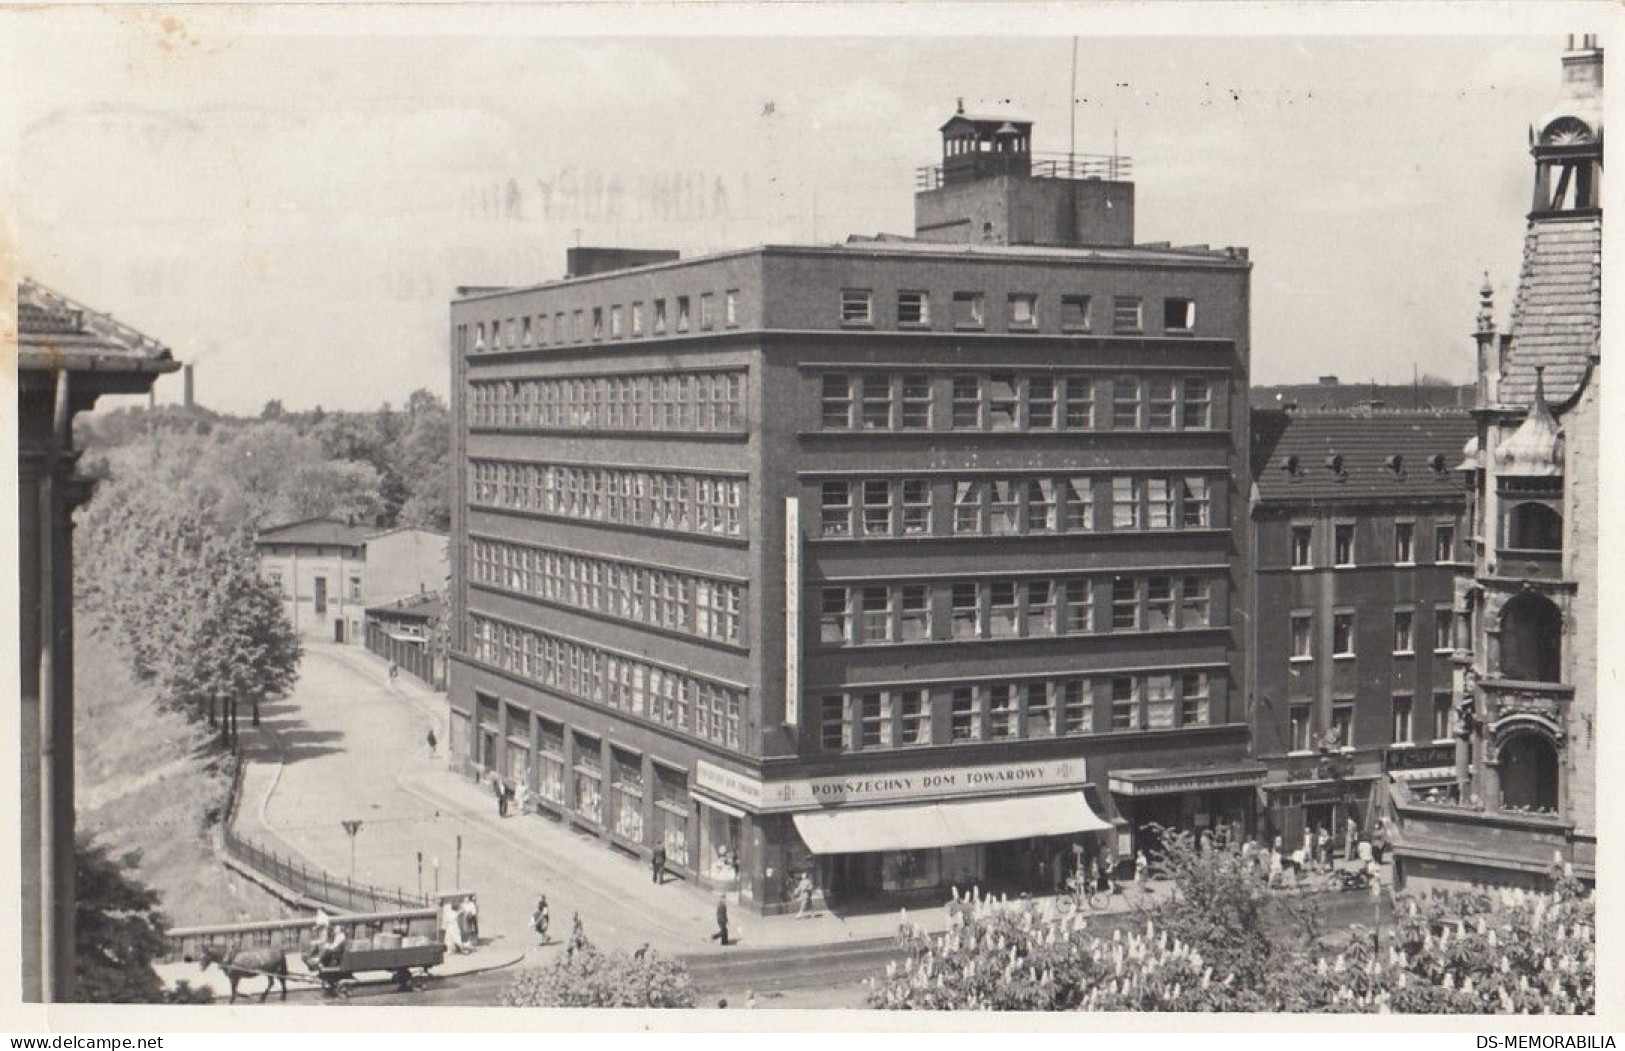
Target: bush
585 976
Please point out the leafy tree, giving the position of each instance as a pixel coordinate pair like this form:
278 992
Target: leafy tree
119 933
586 976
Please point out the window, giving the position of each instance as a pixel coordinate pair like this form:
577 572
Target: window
1125 703
914 717
969 310
558 327
1195 603
1194 699
1401 732
1298 724
1077 706
1343 723
1404 543
1080 403
708 310
1004 507
1023 310
1041 402
1126 314
1344 545
1404 631
1198 405
1002 401
874 617
857 306
1040 608
1195 502
836 401
1178 314
1040 506
637 319
1001 710
682 314
525 336
916 507
1159 503
1342 634
1303 636
1125 604
1075 313
479 336
832 722
967 612
916 402
578 325
1303 546
730 307
1080 614
1039 710
967 402
836 509
1125 503
1444 543
1161 702
874 727
1444 622
963 724
1159 603
877 509
1441 717
876 394
1125 403
913 308
832 617
914 613
1080 505
1001 609
276 582
355 589
967 507
1162 399
616 321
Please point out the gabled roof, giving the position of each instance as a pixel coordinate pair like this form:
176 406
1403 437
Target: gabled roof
1366 440
379 533
1558 309
324 531
55 332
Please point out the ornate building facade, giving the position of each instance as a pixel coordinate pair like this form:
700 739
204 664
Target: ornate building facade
1526 682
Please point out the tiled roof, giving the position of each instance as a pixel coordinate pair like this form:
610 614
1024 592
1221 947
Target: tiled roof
1557 311
1365 440
54 332
316 531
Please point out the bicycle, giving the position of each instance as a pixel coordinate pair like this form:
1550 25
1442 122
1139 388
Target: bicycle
1082 893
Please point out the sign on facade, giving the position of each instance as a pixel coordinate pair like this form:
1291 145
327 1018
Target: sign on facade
903 787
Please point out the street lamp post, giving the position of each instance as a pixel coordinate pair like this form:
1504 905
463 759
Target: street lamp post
352 829
459 870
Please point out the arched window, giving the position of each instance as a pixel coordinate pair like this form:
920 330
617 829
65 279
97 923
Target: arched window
1529 772
1534 527
1532 639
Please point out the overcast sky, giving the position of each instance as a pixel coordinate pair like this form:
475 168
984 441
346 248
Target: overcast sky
290 203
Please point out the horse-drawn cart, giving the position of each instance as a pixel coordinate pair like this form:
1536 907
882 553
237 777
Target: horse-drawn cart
399 960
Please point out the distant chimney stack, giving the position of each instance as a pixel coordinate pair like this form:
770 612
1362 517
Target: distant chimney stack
186 385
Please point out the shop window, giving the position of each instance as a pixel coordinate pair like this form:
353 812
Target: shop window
1040 710
1404 543
1303 546
1077 706
1075 313
1178 314
857 306
1404 632
913 717
913 308
969 310
1401 732
963 722
916 402
1532 639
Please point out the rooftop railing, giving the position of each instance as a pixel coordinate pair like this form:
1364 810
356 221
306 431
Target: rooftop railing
1043 166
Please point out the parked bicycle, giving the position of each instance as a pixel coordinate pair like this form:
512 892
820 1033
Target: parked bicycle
1085 892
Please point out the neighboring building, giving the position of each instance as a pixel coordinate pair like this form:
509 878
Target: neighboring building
67 356
405 633
329 571
1358 536
905 561
1527 698
1330 393
318 566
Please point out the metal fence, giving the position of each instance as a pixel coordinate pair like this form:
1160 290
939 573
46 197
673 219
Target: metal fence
1041 166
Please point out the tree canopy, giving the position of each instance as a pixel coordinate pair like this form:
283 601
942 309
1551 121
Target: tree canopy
586 976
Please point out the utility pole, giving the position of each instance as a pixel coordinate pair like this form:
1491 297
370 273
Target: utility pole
351 829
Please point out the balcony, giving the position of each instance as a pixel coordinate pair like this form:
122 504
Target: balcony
1108 167
1529 563
1508 697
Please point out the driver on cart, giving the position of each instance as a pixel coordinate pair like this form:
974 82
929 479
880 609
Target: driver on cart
332 953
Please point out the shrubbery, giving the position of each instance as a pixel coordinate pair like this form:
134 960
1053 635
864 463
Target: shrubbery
586 976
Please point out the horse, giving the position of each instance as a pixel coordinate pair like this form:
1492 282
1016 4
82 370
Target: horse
239 963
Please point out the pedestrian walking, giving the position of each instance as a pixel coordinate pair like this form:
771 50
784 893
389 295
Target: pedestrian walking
540 919
468 915
1311 849
1276 864
1351 832
433 744
657 864
804 895
502 797
1379 840
1326 851
722 921
451 925
1142 870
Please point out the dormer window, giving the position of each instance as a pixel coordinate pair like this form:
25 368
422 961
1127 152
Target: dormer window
1334 464
1292 465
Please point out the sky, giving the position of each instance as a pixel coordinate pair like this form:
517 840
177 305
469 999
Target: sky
289 201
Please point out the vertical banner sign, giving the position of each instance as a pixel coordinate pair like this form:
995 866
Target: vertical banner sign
792 611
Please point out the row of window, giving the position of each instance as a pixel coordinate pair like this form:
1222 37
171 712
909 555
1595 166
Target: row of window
884 507
1023 311
1012 401
678 401
1303 633
1343 544
685 702
694 605
893 718
618 321
669 500
877 614
1340 734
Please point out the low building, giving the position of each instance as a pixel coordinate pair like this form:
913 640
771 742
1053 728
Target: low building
68 355
406 633
1358 536
318 566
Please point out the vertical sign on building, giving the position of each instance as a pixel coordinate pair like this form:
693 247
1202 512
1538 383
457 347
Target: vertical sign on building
792 611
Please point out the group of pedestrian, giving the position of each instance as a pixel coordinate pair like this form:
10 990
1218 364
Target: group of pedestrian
507 796
460 925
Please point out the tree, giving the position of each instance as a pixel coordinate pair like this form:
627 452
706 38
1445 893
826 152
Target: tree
119 933
585 976
424 459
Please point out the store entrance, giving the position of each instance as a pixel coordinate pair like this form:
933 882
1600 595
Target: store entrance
887 879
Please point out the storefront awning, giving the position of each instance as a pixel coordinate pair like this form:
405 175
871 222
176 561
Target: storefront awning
957 823
1165 781
1430 773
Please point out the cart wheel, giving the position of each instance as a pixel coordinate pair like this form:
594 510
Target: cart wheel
344 990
